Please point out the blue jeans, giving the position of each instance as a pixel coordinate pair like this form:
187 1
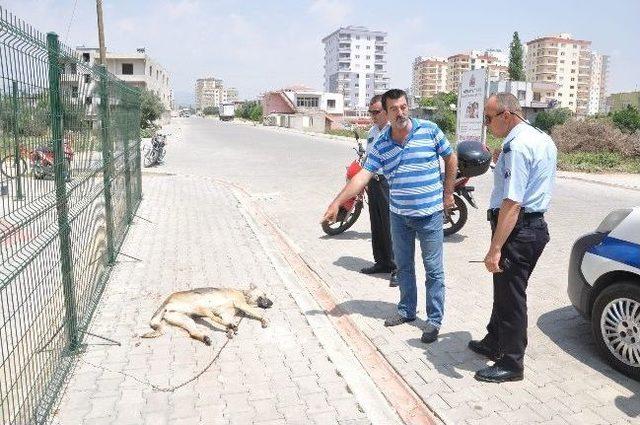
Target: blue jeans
428 230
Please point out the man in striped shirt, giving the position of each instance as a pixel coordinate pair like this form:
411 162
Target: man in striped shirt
407 154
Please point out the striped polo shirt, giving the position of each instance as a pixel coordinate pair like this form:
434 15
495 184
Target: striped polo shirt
412 169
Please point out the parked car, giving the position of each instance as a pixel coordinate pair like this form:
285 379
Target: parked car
604 286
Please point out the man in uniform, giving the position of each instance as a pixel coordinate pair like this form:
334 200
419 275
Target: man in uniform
523 179
407 152
378 191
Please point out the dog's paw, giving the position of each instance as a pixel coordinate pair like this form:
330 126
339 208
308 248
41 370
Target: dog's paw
265 323
230 333
206 340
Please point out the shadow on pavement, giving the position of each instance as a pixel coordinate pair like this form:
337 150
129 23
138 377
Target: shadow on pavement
569 331
349 235
355 264
455 238
436 353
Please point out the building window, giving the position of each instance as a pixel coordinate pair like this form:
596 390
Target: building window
87 78
307 102
150 70
357 37
536 97
74 91
86 57
72 68
522 95
331 103
127 69
573 79
571 87
88 100
570 94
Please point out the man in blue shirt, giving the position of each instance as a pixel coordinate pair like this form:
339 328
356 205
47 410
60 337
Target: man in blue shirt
523 179
407 154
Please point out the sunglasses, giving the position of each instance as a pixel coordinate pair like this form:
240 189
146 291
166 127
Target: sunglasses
488 118
375 112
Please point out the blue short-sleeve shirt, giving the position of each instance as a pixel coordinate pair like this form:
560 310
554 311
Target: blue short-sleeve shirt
526 169
412 169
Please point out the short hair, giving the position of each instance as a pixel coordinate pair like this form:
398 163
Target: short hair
375 99
393 94
508 102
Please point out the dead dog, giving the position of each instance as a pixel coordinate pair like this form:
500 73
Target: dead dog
220 305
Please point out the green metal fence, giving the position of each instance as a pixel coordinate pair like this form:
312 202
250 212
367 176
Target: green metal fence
70 184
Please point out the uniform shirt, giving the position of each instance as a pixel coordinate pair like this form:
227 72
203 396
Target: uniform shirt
412 169
526 169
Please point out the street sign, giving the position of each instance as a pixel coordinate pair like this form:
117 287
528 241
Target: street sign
471 97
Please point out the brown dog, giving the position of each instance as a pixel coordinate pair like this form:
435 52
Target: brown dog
220 305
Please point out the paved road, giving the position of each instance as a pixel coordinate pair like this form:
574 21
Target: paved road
292 178
295 176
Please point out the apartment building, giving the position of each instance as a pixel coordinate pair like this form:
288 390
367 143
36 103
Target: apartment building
598 83
210 92
355 65
569 62
429 76
494 60
135 69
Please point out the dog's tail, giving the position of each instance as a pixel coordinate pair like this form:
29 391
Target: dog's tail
156 321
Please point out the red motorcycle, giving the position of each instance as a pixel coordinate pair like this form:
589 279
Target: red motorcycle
473 160
350 210
41 160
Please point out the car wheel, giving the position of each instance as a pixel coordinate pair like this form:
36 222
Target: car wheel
615 322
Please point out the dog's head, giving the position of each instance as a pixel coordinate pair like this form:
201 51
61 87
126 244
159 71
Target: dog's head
257 296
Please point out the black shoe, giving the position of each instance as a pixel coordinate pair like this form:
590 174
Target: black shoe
377 268
429 334
393 279
498 374
396 320
482 348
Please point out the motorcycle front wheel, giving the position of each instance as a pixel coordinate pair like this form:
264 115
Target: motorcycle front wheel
345 220
150 158
455 218
9 166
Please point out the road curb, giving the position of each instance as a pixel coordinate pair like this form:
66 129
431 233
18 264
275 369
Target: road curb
407 404
600 182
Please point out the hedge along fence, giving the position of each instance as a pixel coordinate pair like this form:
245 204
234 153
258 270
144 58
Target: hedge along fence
62 225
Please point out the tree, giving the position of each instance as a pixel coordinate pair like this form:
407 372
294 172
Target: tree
250 111
210 110
627 120
546 120
442 115
516 71
151 108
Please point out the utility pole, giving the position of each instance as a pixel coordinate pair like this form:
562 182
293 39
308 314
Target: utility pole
103 59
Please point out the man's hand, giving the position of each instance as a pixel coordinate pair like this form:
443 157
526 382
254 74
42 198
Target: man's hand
449 201
331 214
492 261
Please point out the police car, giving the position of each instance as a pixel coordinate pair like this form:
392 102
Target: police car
604 286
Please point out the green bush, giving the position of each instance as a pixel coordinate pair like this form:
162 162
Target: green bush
151 108
627 120
210 110
546 120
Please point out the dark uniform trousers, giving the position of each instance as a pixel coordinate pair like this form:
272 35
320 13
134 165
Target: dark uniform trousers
507 329
378 191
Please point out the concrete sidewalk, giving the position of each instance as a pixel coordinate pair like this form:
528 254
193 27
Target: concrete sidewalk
192 233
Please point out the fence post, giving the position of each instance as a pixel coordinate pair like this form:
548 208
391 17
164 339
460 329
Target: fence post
62 207
127 165
107 162
16 147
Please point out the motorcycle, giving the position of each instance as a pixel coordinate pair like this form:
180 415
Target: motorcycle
42 159
155 153
350 210
454 218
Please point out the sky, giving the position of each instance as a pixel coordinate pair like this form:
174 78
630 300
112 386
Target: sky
264 45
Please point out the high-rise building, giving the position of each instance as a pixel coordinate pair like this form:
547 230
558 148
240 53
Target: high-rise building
211 92
494 60
355 65
429 76
598 83
570 63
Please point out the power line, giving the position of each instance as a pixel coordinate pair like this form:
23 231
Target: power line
73 14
